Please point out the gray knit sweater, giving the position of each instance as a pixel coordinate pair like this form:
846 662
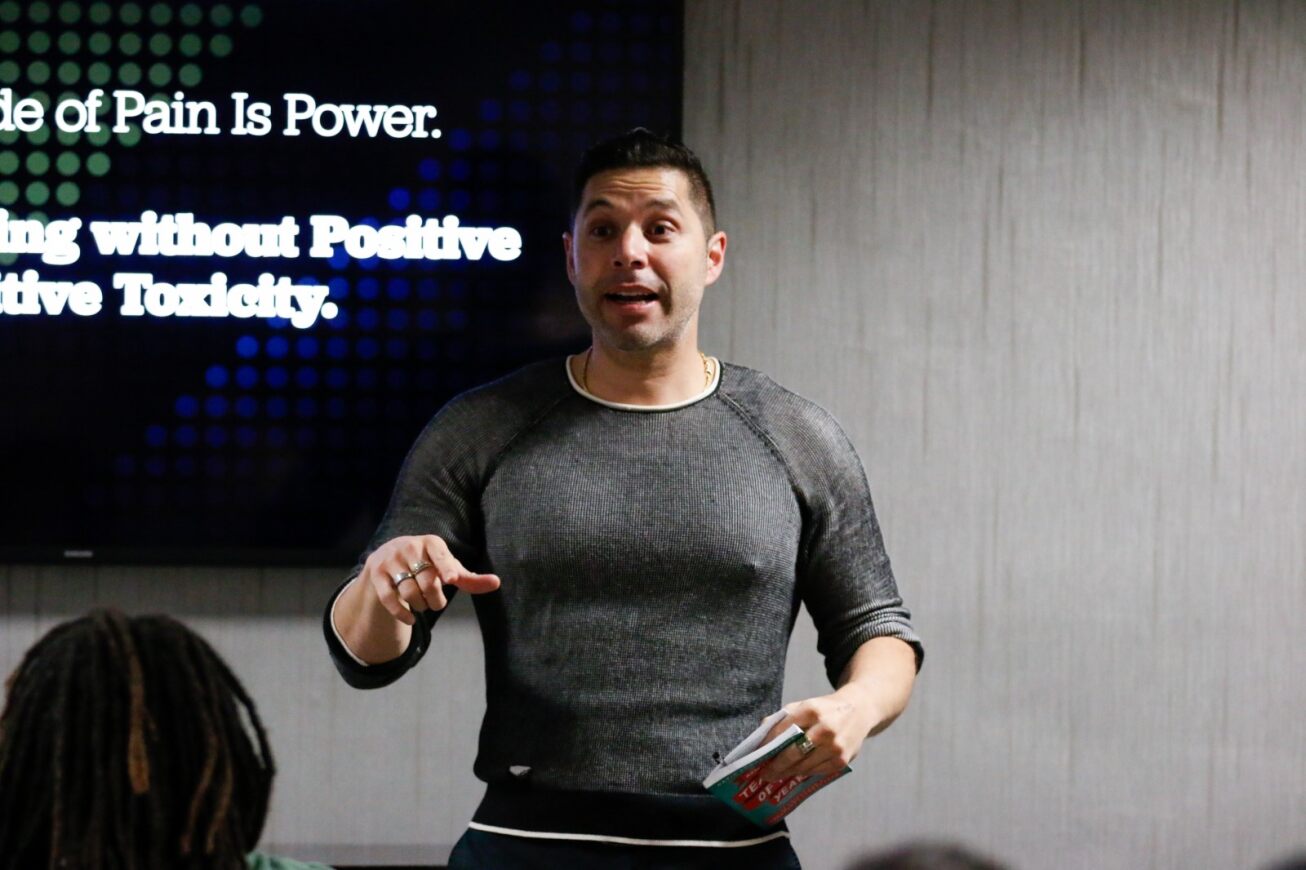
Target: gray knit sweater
652 563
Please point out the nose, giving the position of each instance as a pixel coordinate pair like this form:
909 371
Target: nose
632 249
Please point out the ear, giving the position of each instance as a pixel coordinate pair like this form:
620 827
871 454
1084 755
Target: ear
716 257
566 250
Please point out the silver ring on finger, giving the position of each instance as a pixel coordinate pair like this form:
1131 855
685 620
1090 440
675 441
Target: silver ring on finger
418 567
400 576
805 745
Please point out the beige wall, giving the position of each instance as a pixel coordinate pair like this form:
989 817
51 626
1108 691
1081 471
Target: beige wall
1045 262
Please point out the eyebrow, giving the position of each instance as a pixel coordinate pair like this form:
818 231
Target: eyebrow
600 202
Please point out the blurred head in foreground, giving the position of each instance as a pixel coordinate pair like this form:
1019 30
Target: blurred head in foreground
927 856
127 742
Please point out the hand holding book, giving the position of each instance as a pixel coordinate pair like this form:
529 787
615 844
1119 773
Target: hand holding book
837 724
767 775
738 780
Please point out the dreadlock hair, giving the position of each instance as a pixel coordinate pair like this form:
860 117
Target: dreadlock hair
127 742
641 148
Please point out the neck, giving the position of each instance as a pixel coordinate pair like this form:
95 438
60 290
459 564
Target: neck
652 377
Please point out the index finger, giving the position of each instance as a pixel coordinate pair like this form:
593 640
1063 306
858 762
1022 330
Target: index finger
451 572
792 760
476 584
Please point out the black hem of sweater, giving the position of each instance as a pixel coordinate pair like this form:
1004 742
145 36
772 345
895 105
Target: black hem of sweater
615 814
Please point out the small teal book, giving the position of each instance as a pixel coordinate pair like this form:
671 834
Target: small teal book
736 782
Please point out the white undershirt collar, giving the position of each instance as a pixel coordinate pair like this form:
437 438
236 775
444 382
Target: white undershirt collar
620 406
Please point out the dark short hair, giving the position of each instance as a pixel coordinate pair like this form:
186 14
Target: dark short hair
641 148
128 742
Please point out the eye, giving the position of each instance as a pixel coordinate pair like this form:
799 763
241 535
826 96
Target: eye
661 229
600 231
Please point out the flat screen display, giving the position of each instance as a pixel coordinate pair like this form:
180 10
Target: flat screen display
248 249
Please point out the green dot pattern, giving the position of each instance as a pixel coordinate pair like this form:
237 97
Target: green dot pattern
38 163
70 46
37 193
67 193
97 163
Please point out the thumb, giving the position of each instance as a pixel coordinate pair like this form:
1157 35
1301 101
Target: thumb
476 584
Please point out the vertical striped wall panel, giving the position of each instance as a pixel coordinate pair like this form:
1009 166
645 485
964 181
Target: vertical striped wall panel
1045 262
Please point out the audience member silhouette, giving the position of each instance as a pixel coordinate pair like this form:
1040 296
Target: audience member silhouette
927 856
127 742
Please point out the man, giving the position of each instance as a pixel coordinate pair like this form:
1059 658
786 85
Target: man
638 523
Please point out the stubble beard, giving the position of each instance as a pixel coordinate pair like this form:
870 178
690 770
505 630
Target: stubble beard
643 337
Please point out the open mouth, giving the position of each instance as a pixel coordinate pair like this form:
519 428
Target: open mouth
631 298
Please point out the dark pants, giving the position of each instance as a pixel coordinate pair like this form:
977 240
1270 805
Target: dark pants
481 850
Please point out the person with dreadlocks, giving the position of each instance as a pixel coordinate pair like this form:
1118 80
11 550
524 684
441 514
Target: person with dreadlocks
127 742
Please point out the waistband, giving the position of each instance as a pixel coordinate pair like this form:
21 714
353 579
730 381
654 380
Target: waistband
619 817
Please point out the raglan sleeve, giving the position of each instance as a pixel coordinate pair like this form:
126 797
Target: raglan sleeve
437 493
844 576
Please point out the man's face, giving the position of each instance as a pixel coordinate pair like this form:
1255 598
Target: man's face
639 258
